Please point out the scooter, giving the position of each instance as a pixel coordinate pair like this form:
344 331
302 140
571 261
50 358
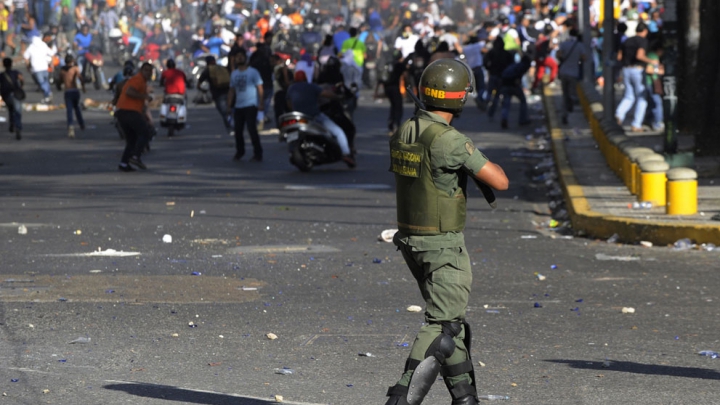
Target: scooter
309 143
173 113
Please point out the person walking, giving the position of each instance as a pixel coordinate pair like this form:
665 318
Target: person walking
633 55
496 61
70 75
572 54
11 84
247 89
511 86
218 78
431 162
392 91
132 117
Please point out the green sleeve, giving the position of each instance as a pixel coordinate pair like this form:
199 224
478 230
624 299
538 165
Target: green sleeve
455 151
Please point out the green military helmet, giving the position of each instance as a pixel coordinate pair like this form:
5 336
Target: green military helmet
445 85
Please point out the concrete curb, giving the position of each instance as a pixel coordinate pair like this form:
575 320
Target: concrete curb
600 225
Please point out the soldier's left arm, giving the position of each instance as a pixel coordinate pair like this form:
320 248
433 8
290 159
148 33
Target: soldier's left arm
461 154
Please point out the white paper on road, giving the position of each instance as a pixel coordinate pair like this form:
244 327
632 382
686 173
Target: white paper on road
603 256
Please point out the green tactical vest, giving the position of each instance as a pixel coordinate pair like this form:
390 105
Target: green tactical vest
422 209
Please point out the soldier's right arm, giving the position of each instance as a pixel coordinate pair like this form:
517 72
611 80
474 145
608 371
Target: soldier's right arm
493 175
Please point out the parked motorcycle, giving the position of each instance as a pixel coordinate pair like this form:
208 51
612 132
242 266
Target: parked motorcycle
173 113
309 143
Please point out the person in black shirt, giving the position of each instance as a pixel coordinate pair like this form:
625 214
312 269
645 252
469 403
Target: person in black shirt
495 62
218 77
10 80
392 92
260 60
633 57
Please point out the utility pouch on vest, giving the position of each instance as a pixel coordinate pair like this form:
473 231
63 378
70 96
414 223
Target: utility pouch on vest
422 209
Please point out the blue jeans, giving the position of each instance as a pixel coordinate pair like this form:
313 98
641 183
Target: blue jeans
43 79
508 92
479 83
336 132
14 108
634 94
238 19
221 106
656 107
72 102
136 43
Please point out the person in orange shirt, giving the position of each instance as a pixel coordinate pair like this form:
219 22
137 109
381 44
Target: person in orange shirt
133 121
263 24
296 17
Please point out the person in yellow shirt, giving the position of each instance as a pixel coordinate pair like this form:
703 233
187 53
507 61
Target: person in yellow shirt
4 14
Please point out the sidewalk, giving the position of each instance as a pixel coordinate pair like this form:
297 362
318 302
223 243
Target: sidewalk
598 202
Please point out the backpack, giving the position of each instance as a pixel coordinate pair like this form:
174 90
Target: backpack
219 77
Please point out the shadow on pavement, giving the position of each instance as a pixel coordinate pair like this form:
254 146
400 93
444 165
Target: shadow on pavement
639 368
170 393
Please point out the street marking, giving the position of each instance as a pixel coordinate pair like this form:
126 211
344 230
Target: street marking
337 187
99 253
283 249
225 394
129 288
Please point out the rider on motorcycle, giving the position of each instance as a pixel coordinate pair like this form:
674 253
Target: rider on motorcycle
173 79
304 97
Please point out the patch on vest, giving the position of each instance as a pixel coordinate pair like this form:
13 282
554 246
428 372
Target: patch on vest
470 148
405 163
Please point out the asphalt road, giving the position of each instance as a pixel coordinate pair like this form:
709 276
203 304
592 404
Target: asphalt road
297 255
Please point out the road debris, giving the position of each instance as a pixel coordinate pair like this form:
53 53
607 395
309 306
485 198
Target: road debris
387 235
628 310
414 308
271 336
167 238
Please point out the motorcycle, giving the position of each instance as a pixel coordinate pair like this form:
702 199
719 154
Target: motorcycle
309 143
94 72
173 113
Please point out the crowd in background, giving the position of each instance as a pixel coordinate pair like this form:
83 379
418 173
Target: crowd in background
511 45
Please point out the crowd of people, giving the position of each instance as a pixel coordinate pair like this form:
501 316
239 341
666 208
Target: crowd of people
511 46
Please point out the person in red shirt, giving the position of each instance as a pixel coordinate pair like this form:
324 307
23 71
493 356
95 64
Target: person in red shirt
173 79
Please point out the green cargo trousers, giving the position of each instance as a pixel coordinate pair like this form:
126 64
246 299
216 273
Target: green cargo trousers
444 277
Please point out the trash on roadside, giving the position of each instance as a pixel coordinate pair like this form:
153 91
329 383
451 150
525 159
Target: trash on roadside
537 305
414 308
46 391
367 354
271 336
167 238
708 247
481 363
614 238
603 256
196 273
645 243
22 230
643 205
683 244
249 288
628 310
283 371
528 237
78 232
709 353
492 397
376 260
192 324
387 235
175 335
278 398
540 277
80 340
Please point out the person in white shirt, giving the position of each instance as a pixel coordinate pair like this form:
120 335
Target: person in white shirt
405 43
424 28
230 14
38 56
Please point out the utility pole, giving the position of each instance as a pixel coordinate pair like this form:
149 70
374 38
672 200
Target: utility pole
608 59
584 20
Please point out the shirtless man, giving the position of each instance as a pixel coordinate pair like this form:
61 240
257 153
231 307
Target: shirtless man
70 75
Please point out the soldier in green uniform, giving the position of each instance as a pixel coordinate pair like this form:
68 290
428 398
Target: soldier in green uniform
431 162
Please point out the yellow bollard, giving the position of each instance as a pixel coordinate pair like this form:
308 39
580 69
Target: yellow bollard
681 191
653 182
619 157
629 166
650 157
